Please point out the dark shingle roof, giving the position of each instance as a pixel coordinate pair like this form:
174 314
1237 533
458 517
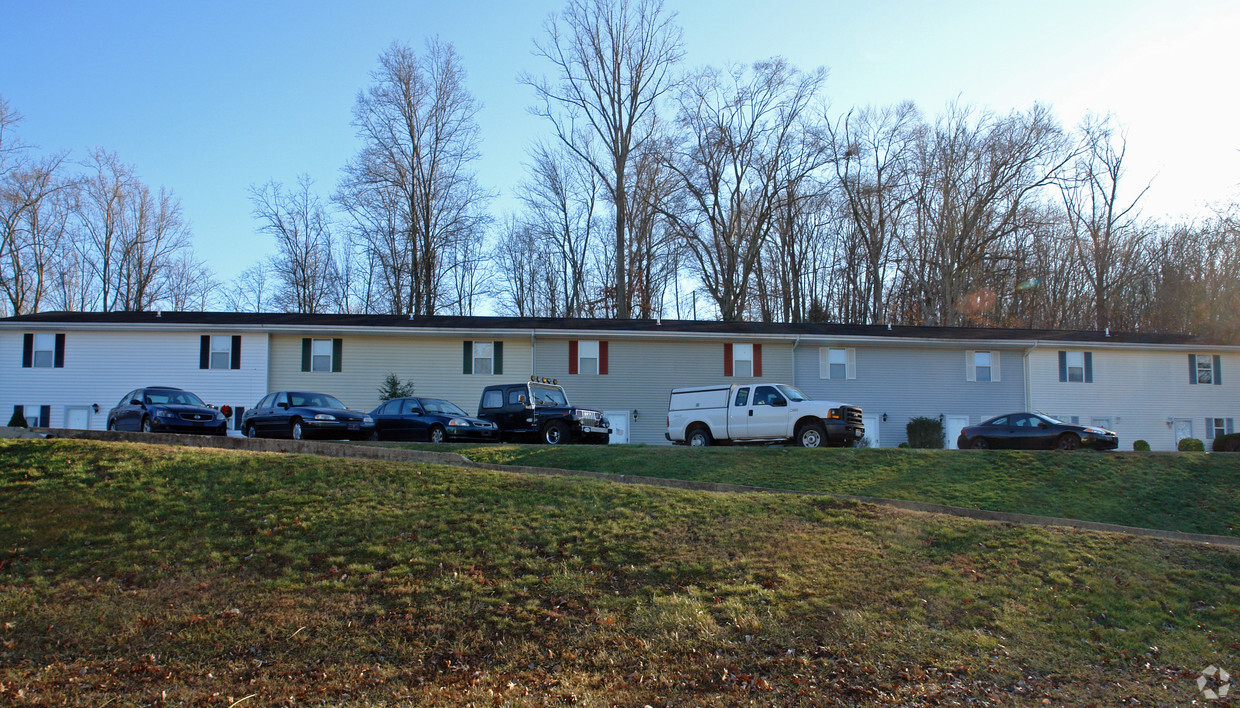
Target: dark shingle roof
449 322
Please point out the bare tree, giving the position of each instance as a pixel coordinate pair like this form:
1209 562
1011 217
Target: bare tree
1106 240
613 61
871 152
975 173
741 132
35 202
409 190
304 267
190 285
250 291
524 285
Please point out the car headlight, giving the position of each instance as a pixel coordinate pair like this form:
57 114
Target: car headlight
834 413
1096 431
458 423
324 416
367 420
164 414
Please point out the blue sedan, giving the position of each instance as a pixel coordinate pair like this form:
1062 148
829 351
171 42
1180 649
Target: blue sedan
304 414
432 419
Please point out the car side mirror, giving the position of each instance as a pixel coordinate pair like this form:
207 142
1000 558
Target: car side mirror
135 402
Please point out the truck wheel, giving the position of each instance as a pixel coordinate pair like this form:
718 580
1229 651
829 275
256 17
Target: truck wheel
698 437
555 433
812 435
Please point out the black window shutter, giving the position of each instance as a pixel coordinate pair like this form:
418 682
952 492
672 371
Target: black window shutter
499 358
28 351
204 352
59 357
1218 370
236 352
1192 368
238 414
468 361
337 354
45 416
305 354
1089 367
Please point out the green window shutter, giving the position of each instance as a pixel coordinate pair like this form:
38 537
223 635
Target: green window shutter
337 354
1192 368
1063 366
1218 370
499 358
1089 367
468 358
305 354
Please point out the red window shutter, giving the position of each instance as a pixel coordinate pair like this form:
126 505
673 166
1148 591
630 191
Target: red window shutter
602 357
757 360
727 358
572 356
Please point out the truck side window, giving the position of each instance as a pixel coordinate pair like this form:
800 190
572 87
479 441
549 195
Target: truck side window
742 396
516 397
493 399
766 396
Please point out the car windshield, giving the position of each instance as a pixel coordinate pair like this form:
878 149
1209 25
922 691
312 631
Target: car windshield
792 394
548 395
314 400
435 405
180 398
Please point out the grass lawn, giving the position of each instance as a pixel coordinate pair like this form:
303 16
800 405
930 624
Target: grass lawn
144 575
1192 492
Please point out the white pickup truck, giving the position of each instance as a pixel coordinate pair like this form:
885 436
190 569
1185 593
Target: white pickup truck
759 413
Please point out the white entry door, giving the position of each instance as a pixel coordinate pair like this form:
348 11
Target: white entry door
1183 429
77 418
619 421
871 429
952 425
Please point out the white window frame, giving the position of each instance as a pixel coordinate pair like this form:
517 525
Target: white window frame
971 365
44 356
37 423
742 353
321 355
1219 426
1075 362
221 352
588 357
483 355
829 357
1205 364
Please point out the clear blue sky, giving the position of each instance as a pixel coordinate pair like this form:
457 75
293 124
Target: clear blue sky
210 98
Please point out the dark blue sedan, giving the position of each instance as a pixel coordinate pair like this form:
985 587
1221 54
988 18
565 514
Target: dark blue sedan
303 414
432 419
164 409
1034 431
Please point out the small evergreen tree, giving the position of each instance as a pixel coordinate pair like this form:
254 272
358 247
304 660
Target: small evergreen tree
1191 445
18 420
393 387
1140 446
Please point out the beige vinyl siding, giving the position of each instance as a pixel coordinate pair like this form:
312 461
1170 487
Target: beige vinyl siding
433 364
1138 389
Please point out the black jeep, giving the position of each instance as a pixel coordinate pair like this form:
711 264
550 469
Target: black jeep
538 410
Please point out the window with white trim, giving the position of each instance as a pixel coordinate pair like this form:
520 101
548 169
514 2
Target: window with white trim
1205 369
981 366
320 355
742 360
836 363
221 351
1076 366
44 350
1218 427
587 356
484 357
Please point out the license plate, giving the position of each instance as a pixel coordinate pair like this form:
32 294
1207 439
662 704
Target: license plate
354 426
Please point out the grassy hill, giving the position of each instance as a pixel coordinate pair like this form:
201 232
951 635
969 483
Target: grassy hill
140 575
1191 492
